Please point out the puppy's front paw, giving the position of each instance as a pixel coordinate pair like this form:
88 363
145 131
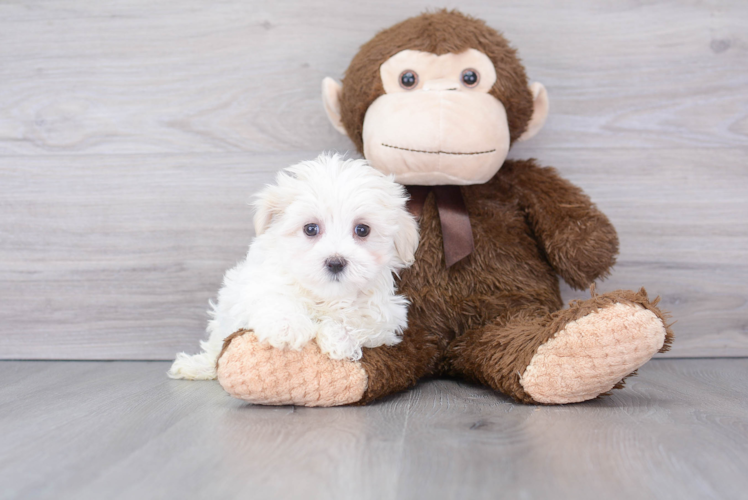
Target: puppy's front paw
284 330
261 374
335 340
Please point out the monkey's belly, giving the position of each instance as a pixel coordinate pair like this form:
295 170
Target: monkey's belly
491 282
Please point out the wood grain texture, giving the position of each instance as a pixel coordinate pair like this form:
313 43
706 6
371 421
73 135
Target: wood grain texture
189 76
116 257
123 430
132 134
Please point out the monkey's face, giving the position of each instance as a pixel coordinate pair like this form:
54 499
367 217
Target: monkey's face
431 119
436 123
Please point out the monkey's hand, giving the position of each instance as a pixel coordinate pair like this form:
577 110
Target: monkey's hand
262 374
579 240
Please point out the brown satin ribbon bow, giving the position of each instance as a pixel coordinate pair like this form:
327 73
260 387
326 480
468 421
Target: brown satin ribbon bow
455 221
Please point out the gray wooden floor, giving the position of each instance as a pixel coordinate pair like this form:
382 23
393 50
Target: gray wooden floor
123 430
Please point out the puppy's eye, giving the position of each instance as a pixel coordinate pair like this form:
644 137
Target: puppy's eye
470 77
311 229
362 230
408 79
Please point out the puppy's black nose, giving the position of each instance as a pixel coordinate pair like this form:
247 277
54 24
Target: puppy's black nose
335 264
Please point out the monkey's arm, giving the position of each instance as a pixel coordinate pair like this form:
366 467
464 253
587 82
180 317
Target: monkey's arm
579 240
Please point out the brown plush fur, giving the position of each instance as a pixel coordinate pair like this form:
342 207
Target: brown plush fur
497 354
485 317
440 32
495 307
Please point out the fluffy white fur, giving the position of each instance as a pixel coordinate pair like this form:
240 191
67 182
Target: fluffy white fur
285 291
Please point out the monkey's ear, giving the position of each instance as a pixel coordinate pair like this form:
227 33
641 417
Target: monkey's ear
539 111
331 98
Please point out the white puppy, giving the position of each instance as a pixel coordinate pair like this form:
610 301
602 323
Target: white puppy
330 234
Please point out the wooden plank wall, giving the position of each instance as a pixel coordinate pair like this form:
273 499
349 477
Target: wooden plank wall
133 133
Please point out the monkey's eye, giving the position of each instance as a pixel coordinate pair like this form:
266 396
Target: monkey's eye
408 79
311 229
470 77
362 230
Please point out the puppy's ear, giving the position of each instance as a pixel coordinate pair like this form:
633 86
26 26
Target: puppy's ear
269 204
406 239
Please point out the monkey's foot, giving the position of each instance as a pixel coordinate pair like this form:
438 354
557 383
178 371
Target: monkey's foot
261 374
598 343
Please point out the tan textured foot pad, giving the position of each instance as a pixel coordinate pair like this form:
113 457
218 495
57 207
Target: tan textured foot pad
589 356
262 374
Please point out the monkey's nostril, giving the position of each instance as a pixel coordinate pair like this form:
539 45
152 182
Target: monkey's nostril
335 264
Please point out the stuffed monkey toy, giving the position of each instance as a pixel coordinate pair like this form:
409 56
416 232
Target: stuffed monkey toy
437 101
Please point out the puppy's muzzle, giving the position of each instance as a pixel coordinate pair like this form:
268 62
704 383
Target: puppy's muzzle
335 265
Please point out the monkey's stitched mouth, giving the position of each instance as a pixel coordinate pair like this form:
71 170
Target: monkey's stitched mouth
439 152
